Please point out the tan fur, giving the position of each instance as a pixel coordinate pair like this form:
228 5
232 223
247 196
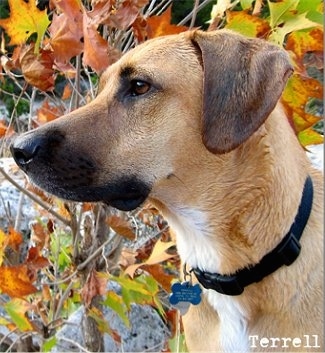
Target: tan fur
228 180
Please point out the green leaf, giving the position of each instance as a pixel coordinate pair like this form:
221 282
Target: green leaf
295 23
246 24
310 137
116 303
16 309
49 344
279 10
308 5
246 4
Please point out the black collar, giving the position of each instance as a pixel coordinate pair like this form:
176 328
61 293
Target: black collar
284 254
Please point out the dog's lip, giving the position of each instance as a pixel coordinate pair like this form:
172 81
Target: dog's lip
127 203
127 194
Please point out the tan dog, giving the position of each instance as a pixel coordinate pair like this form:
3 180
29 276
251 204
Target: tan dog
192 123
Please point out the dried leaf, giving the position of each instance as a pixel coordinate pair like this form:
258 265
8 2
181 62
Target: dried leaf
37 69
15 239
25 19
35 261
160 25
121 227
67 30
158 273
95 285
15 281
158 255
67 91
47 113
96 48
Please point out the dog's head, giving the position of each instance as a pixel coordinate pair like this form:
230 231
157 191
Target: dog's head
160 108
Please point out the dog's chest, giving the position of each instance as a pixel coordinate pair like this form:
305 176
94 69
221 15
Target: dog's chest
195 246
233 330
198 249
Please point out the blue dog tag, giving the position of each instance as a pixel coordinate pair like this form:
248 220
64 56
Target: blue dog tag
185 292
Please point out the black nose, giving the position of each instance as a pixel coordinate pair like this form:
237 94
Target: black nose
25 150
34 146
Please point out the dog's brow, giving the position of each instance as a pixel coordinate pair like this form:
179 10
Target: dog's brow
127 71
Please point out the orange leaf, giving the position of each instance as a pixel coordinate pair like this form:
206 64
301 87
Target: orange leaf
95 285
121 227
66 30
37 69
47 113
301 42
160 275
95 47
3 244
67 91
3 129
15 281
160 25
15 239
35 261
140 29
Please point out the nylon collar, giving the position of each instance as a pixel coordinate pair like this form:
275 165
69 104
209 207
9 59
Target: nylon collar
284 254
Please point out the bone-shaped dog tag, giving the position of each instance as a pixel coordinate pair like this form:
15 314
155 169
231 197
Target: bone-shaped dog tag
184 294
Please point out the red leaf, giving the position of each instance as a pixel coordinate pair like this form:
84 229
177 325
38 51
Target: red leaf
95 285
121 227
66 30
37 69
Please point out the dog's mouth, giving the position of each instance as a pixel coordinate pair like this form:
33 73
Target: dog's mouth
125 193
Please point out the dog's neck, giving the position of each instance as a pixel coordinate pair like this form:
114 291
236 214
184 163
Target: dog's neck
245 206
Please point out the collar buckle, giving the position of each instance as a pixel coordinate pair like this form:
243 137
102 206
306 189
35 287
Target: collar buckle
228 285
290 250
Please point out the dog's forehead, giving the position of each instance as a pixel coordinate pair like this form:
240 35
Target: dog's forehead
154 53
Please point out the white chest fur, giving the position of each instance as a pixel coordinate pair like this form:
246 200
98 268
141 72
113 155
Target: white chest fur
198 248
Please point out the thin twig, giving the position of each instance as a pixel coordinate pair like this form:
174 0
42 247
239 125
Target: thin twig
81 266
34 198
19 211
194 13
60 304
189 16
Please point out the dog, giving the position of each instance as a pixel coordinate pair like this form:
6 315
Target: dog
192 122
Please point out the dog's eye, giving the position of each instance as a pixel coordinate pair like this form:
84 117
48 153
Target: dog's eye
139 87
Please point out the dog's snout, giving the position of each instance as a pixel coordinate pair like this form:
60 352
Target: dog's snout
27 147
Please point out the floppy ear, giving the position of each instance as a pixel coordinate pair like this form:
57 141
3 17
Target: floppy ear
243 80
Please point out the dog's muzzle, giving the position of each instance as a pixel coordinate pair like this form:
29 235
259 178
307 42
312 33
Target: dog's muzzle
70 173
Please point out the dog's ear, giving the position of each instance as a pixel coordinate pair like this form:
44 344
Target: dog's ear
243 80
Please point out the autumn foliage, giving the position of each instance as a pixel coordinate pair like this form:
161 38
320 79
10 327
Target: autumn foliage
54 55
